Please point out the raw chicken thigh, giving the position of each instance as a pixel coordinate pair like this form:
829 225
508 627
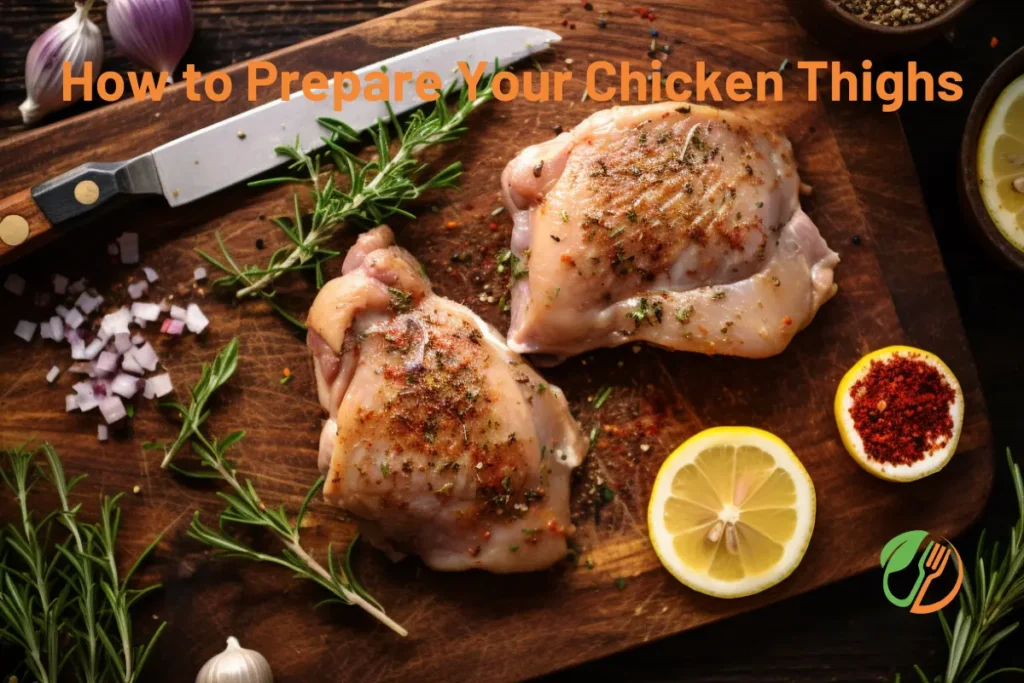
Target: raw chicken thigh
440 440
676 225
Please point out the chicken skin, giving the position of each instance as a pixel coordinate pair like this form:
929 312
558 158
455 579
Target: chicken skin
440 440
676 225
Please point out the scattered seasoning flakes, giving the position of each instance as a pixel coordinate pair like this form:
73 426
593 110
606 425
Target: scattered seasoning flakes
895 13
620 583
589 564
384 469
602 396
594 432
538 169
451 225
401 301
683 314
564 215
541 388
718 295
607 494
601 23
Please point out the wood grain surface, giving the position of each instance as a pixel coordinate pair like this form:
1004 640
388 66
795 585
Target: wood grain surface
892 289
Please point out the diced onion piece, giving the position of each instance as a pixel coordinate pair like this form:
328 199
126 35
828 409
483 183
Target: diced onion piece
146 357
44 330
84 390
177 312
137 289
116 322
56 328
77 286
25 329
107 362
195 320
165 324
113 409
77 347
130 364
125 385
70 402
74 318
60 284
102 433
112 249
150 274
15 284
158 386
138 340
90 351
165 305
147 312
87 404
52 374
122 342
129 243
174 326
62 311
199 274
88 303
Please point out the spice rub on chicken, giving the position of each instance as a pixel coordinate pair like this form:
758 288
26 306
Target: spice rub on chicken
676 225
440 440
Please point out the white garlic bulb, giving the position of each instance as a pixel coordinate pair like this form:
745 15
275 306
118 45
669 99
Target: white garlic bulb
236 665
76 40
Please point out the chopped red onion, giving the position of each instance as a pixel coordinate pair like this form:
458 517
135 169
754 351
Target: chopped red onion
107 362
129 243
44 330
88 303
146 357
125 385
150 274
146 312
70 403
112 249
60 284
83 389
174 326
91 350
177 312
56 329
137 289
199 274
138 340
164 325
102 433
122 342
62 311
100 389
77 287
113 409
158 387
195 320
87 404
77 347
74 318
25 329
15 284
116 322
130 364
52 374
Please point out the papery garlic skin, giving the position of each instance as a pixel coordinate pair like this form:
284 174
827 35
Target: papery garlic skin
77 40
154 33
236 665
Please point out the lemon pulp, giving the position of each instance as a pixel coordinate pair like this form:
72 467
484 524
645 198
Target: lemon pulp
1001 162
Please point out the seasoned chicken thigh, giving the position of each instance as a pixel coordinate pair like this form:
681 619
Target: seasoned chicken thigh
440 440
679 226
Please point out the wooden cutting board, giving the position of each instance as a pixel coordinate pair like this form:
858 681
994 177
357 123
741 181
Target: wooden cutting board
892 289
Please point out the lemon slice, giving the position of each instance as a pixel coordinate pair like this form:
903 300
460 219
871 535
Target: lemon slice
937 450
1001 163
732 512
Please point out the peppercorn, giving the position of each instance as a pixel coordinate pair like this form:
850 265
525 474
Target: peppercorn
259 244
856 240
601 23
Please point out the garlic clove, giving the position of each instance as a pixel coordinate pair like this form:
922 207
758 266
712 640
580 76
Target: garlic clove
154 33
236 665
76 40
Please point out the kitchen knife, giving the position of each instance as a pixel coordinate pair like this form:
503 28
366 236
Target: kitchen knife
242 146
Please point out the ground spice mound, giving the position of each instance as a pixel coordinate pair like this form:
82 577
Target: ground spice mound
901 410
896 12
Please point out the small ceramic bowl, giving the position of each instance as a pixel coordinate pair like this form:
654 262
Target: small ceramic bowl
840 31
971 202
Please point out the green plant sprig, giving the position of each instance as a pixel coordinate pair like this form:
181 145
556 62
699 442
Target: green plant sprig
245 507
985 604
377 189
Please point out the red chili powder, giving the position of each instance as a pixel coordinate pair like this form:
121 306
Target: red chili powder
901 409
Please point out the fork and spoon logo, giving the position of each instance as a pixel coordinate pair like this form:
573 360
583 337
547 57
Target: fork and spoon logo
899 553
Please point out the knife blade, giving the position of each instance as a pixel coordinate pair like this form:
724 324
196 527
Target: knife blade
235 149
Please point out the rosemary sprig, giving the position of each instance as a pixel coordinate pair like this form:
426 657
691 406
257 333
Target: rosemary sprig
376 189
980 623
50 602
245 507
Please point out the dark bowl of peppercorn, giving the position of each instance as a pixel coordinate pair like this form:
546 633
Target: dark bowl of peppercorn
868 28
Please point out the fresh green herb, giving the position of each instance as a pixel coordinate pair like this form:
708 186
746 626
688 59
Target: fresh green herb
595 431
375 191
602 396
129 409
620 583
506 260
589 564
401 302
212 378
564 215
66 602
718 295
385 469
645 312
759 204
286 379
631 215
513 548
246 508
531 532
986 602
684 313
541 388
607 494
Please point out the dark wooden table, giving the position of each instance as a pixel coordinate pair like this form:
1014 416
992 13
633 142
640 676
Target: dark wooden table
847 632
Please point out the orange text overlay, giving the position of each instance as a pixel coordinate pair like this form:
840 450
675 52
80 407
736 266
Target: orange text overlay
603 82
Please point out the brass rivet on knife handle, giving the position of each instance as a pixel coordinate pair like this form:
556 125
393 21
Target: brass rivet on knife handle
87 192
22 225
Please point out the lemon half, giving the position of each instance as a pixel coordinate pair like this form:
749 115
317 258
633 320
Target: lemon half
935 459
1001 162
732 512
